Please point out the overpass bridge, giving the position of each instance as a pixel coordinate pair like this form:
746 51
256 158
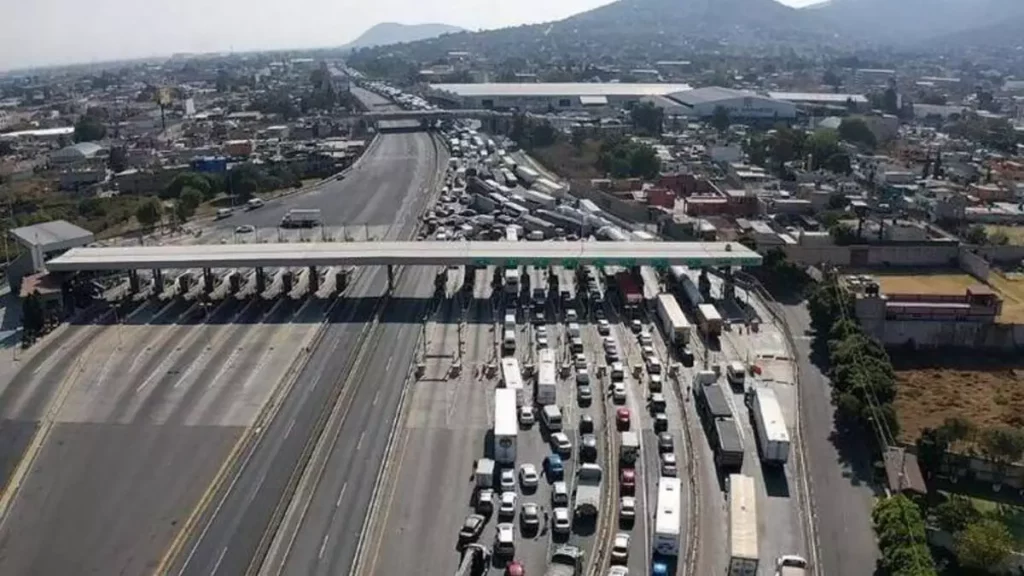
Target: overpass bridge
431 115
321 254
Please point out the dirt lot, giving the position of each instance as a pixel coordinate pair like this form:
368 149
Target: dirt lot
935 283
1011 288
1014 233
987 392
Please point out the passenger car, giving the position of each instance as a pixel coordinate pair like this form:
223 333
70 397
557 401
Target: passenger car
471 528
620 548
560 522
528 476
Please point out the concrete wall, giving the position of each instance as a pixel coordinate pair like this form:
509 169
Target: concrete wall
938 334
974 265
896 255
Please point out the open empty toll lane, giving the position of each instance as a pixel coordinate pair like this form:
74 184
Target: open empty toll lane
135 443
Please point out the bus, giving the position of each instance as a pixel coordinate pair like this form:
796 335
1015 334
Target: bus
512 378
667 515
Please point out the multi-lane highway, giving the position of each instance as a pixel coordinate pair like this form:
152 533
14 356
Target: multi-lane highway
391 185
126 424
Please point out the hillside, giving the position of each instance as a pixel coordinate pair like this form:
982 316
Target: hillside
907 21
387 33
630 30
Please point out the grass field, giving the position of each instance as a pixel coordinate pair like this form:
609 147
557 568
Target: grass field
1014 233
986 391
937 283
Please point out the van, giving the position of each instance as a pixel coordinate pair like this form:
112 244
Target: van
535 236
657 402
223 213
655 383
551 415
654 365
509 341
574 330
253 204
576 345
618 372
582 376
736 374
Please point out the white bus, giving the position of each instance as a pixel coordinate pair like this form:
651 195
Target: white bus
512 377
743 549
505 426
667 516
547 379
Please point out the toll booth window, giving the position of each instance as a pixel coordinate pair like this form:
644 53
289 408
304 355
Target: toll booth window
565 103
487 103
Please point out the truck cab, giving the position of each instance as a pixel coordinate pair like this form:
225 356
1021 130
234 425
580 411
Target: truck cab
736 374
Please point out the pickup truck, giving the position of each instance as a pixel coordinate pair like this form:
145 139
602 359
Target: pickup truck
566 561
588 490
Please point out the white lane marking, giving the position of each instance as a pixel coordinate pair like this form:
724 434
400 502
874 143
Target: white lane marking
344 487
219 560
323 545
256 490
376 397
360 443
387 368
291 424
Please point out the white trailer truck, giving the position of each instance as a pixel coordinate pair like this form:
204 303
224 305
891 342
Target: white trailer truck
673 321
772 435
743 546
506 428
547 380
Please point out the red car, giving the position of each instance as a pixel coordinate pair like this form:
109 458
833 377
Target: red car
514 568
627 484
622 418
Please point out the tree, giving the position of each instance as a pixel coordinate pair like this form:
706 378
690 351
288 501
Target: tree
577 138
193 180
832 78
1003 445
856 131
983 544
956 514
543 134
842 234
644 162
976 235
118 160
33 318
244 181
901 537
720 119
6 148
822 145
89 129
839 163
648 118
190 199
890 101
148 212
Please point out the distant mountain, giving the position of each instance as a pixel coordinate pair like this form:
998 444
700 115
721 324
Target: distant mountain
387 33
910 21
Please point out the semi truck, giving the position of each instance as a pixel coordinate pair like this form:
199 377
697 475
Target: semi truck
743 545
588 490
475 560
673 322
630 293
710 320
505 426
629 448
769 425
512 379
547 382
301 218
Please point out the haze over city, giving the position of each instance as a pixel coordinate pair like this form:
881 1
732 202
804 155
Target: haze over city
46 32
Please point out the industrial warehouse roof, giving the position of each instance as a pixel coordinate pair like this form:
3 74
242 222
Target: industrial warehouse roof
553 89
819 97
414 253
711 94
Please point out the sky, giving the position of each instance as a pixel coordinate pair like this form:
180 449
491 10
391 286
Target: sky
45 32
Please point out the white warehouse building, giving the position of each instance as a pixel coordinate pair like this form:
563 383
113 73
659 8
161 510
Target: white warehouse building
741 105
541 97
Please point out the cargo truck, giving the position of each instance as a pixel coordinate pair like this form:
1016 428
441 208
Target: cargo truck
727 444
506 428
630 293
769 425
673 322
588 490
629 448
710 320
743 545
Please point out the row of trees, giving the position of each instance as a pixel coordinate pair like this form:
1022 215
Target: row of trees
784 144
899 526
863 380
1001 445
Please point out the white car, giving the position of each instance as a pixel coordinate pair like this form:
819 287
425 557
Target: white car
530 515
580 361
559 494
505 539
627 509
790 565
620 548
618 571
561 443
560 522
542 330
508 480
526 417
619 392
507 508
647 352
645 338
542 341
668 465
571 316
610 344
603 327
528 476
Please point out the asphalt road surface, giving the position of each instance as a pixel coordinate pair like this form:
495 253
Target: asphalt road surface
841 496
390 185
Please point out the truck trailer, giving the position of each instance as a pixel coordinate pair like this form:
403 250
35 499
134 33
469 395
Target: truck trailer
673 322
769 425
506 428
588 490
547 381
710 320
743 541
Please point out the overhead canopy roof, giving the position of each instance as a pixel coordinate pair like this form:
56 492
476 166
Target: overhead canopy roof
422 253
